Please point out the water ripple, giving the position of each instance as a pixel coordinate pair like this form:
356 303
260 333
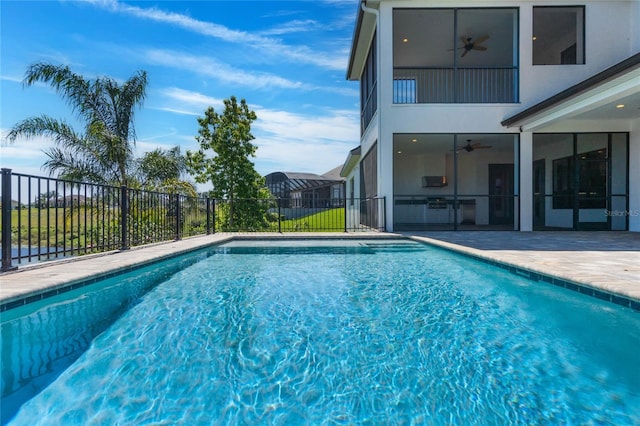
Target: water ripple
402 337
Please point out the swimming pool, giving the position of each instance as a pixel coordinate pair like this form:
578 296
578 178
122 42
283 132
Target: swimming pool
324 332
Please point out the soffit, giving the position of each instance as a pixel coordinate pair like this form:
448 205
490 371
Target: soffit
596 98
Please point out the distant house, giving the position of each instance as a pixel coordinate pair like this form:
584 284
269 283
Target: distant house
307 190
75 200
55 200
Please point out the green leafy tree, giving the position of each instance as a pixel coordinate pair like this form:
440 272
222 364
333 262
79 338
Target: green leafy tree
103 151
228 137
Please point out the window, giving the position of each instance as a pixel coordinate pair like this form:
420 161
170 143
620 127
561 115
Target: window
352 189
563 179
592 175
592 181
558 35
368 84
369 173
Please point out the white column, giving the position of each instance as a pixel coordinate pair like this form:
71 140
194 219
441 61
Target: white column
385 103
526 181
634 178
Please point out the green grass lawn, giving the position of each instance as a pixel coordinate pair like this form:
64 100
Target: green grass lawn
325 221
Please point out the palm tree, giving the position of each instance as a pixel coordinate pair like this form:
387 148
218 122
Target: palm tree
162 170
103 152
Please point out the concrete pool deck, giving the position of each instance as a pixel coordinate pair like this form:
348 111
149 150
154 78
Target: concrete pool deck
606 261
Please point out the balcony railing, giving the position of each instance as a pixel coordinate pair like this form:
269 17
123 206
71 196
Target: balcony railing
455 85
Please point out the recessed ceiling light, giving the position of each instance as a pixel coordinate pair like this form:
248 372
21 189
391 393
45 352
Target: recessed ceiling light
399 152
620 106
414 140
405 40
534 38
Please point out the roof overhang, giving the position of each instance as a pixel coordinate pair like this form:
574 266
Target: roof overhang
361 40
596 98
351 161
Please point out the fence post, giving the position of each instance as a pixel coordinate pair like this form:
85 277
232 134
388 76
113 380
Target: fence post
6 220
279 224
344 203
384 214
208 216
213 216
124 217
177 224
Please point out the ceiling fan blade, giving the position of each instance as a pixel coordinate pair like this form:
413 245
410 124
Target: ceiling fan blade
464 53
464 39
481 48
481 39
482 147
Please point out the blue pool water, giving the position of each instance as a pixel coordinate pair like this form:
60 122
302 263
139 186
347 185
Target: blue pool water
365 332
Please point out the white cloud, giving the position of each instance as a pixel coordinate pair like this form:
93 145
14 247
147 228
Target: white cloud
295 26
294 142
338 125
218 70
11 78
176 111
23 153
225 73
277 154
334 60
187 102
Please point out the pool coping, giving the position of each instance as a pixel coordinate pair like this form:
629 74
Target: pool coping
32 283
537 274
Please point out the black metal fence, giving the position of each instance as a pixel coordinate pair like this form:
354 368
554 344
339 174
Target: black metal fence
46 218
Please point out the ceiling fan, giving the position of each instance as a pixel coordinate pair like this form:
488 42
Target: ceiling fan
469 147
469 44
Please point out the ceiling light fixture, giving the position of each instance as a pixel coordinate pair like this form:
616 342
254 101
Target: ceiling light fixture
399 152
405 40
414 140
534 38
620 106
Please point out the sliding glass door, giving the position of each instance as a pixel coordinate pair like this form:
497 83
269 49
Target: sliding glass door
580 181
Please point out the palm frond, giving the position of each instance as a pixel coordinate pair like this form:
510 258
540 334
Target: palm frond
44 125
72 87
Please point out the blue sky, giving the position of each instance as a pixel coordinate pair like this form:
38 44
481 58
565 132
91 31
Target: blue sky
288 59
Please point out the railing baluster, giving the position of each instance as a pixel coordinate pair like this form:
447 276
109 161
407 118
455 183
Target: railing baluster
19 219
28 217
39 210
455 85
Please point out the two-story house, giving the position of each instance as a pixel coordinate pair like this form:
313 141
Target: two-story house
507 115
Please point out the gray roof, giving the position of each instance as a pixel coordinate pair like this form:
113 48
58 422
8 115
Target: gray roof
334 174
